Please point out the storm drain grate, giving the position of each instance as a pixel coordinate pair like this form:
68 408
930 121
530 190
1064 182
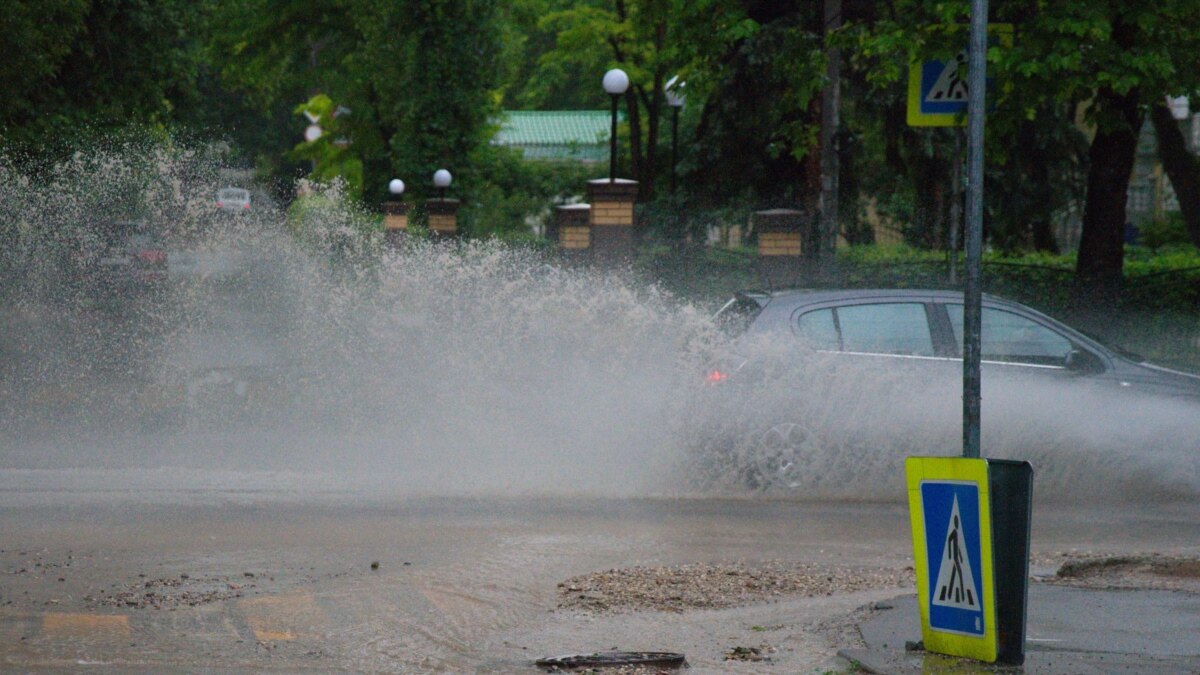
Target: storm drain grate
613 660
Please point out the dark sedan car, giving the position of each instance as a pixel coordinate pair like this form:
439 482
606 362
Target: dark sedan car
128 257
803 358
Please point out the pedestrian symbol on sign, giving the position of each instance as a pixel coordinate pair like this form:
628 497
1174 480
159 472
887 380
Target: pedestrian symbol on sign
954 567
950 86
938 89
955 585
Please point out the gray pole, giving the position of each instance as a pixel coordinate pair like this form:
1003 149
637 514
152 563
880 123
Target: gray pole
973 294
956 206
612 146
830 95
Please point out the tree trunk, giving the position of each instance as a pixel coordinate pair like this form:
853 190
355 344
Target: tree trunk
1182 168
1110 163
1038 171
635 136
810 194
827 241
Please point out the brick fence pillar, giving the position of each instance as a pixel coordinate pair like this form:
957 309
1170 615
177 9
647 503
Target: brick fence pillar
443 217
571 229
612 221
780 245
395 221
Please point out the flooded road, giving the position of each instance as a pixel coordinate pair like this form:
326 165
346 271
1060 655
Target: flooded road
275 575
304 450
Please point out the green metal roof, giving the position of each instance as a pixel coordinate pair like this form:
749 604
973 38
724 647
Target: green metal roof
580 135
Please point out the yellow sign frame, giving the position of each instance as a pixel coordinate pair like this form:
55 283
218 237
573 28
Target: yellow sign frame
1003 33
919 470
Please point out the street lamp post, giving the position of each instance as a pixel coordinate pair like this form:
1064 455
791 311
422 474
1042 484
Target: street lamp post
442 212
675 99
616 82
395 213
441 180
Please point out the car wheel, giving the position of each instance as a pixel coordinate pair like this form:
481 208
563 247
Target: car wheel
711 463
780 457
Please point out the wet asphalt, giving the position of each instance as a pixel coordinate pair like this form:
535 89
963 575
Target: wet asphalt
1069 630
115 573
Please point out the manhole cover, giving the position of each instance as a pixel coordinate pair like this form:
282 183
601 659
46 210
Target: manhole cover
613 660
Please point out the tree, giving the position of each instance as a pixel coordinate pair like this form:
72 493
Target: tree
75 67
433 83
419 77
1114 60
1182 168
1104 63
633 34
536 76
756 68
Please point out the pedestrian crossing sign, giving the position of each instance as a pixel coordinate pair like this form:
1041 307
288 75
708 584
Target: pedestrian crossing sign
937 89
952 545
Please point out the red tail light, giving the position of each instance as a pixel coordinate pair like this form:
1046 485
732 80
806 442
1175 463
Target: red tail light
716 376
220 205
246 205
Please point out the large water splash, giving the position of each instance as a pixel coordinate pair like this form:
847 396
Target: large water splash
299 342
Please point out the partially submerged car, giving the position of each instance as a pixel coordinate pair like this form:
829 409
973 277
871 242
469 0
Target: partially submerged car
798 352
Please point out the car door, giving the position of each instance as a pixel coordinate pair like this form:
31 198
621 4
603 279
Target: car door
885 355
1019 347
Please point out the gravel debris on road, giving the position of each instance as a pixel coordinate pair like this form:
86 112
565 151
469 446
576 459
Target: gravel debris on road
717 585
1151 571
170 593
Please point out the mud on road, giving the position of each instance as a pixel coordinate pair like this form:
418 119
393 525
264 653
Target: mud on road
274 581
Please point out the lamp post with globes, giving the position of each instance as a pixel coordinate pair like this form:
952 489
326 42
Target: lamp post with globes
616 83
675 99
443 212
611 202
395 212
441 180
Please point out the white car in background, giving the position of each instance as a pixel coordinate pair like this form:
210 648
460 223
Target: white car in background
234 200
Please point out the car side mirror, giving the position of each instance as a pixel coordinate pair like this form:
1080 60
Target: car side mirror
1078 361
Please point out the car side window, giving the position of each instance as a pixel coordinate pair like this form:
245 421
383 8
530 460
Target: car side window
1013 338
818 331
888 328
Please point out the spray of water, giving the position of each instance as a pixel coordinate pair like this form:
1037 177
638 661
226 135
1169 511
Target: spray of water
299 343
825 426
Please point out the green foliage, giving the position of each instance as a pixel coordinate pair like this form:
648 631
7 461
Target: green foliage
1165 231
699 273
753 75
75 68
333 227
1068 62
418 76
513 195
331 155
435 78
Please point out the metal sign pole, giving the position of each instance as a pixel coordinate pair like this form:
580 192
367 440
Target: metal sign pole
956 206
973 293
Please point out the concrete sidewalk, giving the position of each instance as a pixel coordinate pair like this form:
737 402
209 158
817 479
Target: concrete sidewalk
1070 630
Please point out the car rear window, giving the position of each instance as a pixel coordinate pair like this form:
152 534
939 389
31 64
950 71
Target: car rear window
818 330
736 315
886 328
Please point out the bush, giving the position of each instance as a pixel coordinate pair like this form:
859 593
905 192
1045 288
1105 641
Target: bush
1164 232
511 195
